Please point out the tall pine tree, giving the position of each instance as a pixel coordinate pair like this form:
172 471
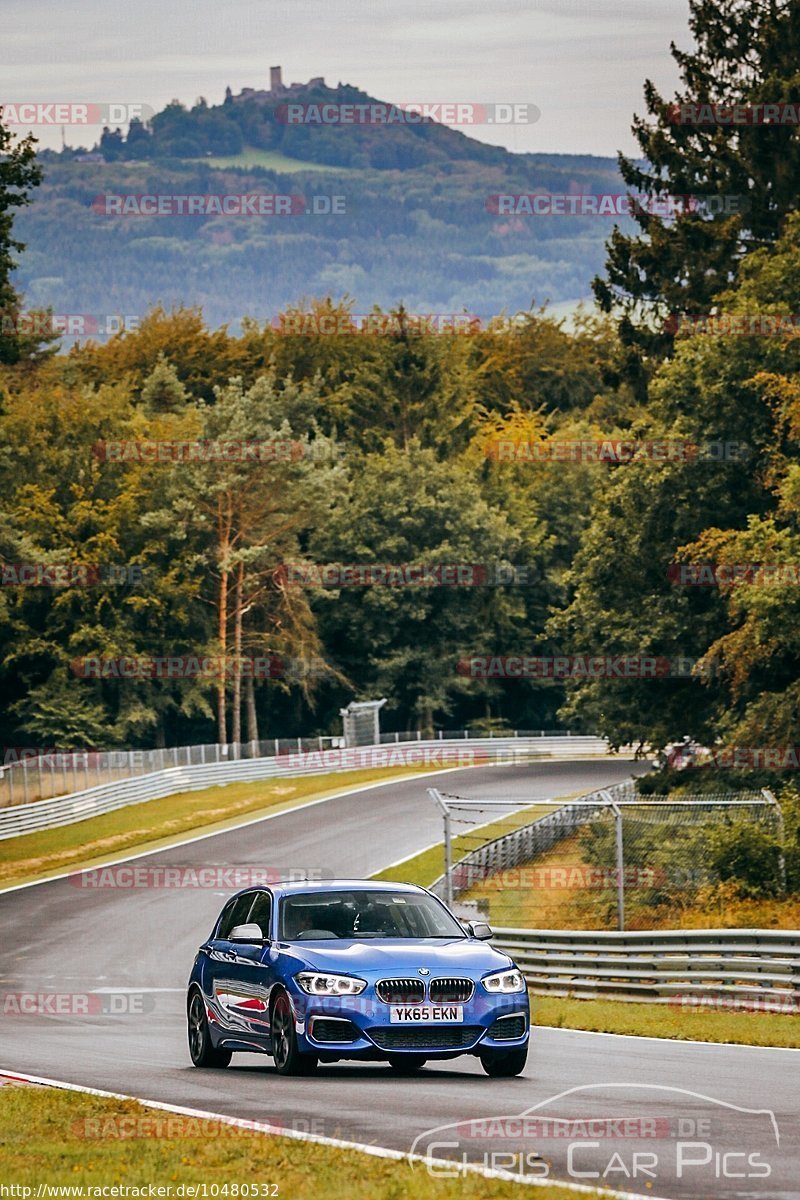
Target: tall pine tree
18 173
747 53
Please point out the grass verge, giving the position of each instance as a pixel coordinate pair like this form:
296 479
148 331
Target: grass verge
67 1138
428 865
526 908
661 1020
272 160
551 892
156 823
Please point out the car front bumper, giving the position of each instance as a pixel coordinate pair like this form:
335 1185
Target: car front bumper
360 1026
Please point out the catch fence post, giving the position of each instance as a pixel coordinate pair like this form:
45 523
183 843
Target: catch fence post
771 799
617 811
437 798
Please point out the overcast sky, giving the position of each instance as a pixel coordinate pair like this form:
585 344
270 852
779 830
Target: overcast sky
582 62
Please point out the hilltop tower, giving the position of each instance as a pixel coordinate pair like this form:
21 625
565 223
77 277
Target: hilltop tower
275 81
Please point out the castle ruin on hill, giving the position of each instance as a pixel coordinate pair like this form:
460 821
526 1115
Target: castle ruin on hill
278 89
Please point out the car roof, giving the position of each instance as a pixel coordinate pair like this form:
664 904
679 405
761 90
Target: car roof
295 886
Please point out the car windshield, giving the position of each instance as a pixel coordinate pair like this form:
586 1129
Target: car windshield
313 916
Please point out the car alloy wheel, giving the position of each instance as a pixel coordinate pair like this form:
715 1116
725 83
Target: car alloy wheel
201 1048
288 1058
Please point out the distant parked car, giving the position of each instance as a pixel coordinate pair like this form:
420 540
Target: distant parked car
352 969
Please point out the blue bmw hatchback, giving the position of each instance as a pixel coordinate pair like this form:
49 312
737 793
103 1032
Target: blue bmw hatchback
352 969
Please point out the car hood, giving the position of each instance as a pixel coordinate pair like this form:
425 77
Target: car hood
390 956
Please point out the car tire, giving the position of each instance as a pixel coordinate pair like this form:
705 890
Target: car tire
502 1064
201 1048
288 1058
409 1064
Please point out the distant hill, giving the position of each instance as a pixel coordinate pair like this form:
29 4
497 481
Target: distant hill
262 120
417 224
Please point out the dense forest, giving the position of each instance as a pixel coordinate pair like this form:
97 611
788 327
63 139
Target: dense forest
396 448
420 235
466 521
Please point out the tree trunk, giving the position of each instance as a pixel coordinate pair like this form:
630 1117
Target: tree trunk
223 532
222 724
236 730
250 705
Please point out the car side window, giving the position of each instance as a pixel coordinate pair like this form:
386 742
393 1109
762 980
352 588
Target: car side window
234 914
261 913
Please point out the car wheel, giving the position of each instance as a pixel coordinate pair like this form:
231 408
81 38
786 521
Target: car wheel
408 1064
201 1048
502 1064
288 1058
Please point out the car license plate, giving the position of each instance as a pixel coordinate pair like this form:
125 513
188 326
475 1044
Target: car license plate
426 1014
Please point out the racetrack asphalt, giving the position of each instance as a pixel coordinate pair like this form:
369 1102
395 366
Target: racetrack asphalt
701 1113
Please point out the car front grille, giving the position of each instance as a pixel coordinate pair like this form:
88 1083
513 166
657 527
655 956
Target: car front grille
333 1029
400 991
450 991
506 1028
443 1037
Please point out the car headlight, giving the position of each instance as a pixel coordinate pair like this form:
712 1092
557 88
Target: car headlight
504 981
315 983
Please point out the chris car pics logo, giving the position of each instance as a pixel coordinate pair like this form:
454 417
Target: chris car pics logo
616 1134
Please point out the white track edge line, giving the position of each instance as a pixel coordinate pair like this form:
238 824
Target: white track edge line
650 1037
336 1143
114 862
18 887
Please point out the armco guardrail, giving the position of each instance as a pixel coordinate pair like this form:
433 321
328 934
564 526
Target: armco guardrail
78 806
26 776
751 968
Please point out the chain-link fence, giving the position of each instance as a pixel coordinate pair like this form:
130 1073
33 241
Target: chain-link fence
611 859
28 774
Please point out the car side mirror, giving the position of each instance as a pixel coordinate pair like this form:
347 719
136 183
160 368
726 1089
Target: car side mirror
480 930
248 933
